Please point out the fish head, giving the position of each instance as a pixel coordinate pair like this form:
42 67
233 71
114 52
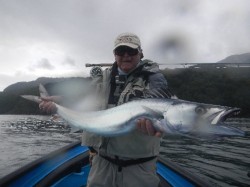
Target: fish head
185 116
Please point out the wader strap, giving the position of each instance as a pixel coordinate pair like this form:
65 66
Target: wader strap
125 163
120 81
92 150
92 153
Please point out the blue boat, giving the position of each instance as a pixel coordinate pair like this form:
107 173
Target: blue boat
69 166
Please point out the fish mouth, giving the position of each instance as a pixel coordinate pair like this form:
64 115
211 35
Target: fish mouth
223 115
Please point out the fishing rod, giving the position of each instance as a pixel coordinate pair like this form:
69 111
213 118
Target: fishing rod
100 65
182 64
96 69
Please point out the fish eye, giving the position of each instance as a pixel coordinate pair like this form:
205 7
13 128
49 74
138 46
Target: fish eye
200 110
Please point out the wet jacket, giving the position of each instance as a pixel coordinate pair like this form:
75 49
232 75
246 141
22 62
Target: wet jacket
111 92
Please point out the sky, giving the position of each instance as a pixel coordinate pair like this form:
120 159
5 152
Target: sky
56 38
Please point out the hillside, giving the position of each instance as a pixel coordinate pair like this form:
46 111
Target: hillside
20 88
228 87
242 58
12 103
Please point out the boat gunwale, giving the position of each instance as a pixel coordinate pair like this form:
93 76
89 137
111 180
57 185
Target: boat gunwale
191 177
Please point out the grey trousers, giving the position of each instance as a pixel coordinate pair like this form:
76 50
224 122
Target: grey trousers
105 174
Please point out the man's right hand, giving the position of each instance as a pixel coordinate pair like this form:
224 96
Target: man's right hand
48 104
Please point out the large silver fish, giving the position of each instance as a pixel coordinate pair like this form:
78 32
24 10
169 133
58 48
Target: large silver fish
172 116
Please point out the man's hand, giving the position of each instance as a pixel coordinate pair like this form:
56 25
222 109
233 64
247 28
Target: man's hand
145 126
48 104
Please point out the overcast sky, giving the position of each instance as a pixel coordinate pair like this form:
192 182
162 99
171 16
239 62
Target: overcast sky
57 37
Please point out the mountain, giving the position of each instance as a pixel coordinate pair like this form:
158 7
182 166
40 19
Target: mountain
11 102
20 88
241 58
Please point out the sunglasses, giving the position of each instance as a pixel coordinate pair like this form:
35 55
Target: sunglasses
120 51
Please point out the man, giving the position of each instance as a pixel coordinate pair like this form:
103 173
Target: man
127 160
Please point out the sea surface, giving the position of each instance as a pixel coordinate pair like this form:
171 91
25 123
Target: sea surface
221 161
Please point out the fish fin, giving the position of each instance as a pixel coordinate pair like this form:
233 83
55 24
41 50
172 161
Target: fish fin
174 97
43 91
169 129
32 98
154 113
159 93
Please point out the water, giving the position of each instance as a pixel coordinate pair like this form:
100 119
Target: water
21 144
222 162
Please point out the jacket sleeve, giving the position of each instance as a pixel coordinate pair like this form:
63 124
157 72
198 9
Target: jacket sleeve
157 80
157 87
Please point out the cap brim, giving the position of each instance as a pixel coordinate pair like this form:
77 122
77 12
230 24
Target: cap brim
127 44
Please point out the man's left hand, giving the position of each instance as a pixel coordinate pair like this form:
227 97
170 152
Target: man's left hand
146 126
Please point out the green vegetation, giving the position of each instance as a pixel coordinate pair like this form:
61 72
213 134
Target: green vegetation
14 104
229 86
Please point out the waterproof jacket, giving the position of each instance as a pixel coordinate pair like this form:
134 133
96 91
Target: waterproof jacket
112 92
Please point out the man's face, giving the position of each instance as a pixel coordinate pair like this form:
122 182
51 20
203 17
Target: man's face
127 58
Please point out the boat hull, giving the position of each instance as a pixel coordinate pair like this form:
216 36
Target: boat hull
69 166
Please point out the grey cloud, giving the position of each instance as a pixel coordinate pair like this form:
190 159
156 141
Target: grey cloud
44 63
69 61
173 48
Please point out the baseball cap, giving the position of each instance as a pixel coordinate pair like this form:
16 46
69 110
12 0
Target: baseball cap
127 39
